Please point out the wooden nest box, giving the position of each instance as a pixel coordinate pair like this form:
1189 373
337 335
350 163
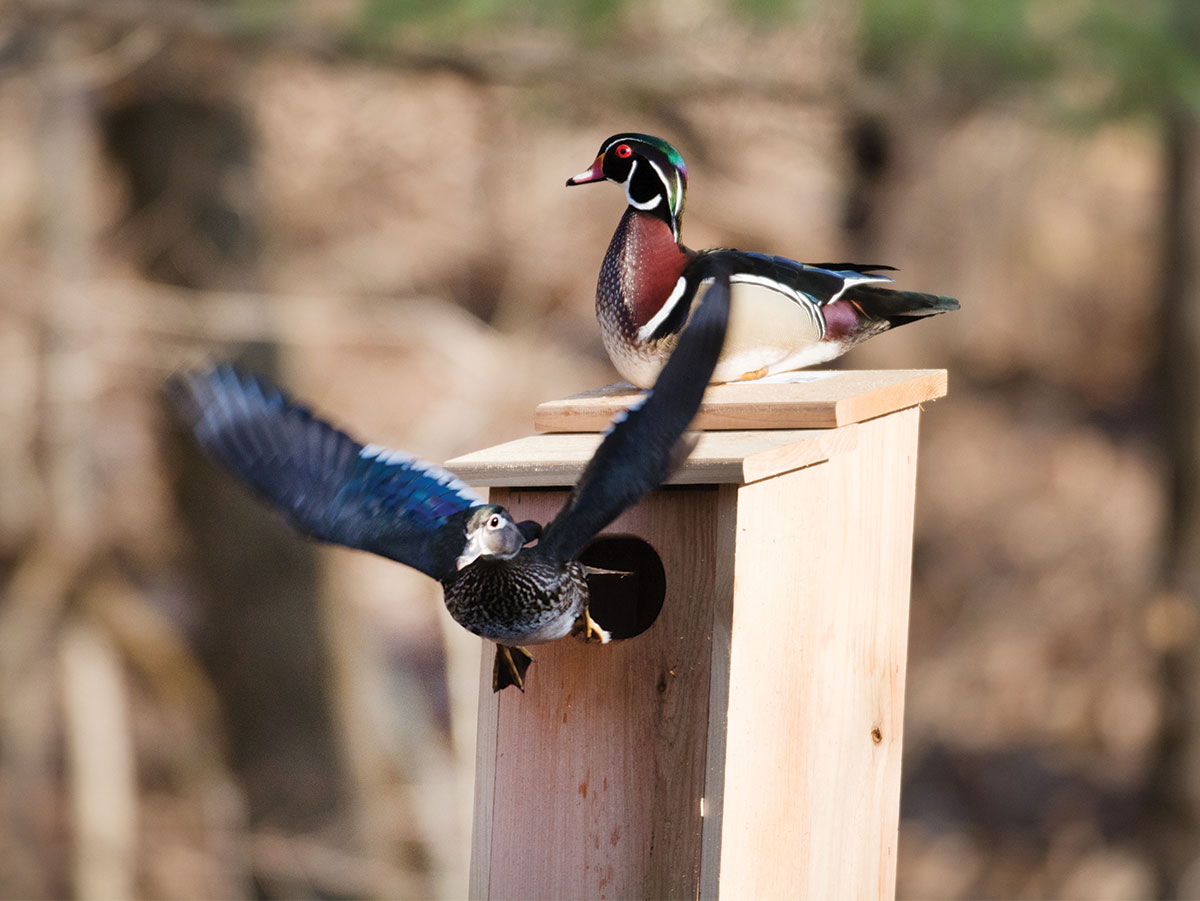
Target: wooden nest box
743 739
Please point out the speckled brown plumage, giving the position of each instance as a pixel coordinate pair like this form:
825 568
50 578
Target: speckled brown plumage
525 600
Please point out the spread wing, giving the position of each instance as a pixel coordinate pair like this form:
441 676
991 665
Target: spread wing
641 447
325 483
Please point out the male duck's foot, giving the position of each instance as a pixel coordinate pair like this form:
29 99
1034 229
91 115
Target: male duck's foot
751 376
510 666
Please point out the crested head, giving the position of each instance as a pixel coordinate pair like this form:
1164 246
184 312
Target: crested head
491 531
652 171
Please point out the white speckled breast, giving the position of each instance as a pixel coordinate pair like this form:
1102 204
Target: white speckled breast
525 600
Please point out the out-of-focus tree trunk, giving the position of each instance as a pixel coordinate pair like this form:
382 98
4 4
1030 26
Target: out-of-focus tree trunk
1175 614
186 150
38 594
868 145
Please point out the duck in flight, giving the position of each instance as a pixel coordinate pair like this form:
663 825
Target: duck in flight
514 583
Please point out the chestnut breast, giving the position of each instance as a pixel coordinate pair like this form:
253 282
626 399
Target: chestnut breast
640 270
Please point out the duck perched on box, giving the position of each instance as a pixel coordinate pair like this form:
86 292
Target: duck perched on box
495 583
785 315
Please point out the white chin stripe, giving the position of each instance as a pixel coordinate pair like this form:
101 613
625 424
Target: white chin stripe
638 205
664 311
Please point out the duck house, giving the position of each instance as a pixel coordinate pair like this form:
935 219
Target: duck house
741 735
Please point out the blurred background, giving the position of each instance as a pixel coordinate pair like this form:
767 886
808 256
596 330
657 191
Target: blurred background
364 199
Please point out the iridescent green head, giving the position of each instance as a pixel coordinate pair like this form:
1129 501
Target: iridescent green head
652 171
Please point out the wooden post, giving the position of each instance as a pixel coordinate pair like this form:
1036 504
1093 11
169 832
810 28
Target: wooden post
747 744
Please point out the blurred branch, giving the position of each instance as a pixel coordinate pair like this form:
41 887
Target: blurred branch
51 570
294 867
68 371
1088 62
33 602
101 771
149 642
145 639
496 60
129 51
148 318
68 530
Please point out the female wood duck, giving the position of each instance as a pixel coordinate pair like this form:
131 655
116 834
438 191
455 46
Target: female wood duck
495 584
785 315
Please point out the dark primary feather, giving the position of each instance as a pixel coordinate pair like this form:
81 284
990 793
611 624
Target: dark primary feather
636 455
898 307
324 482
860 268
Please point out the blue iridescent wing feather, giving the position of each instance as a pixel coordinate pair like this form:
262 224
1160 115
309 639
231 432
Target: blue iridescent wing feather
325 483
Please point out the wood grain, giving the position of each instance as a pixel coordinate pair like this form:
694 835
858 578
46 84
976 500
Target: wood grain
809 798
485 779
719 457
834 399
599 767
771 688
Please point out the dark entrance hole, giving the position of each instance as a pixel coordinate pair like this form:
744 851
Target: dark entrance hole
625 605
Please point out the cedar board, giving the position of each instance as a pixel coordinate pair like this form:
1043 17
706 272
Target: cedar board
833 399
738 457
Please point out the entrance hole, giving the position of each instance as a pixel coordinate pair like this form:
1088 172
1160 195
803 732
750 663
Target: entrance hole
625 605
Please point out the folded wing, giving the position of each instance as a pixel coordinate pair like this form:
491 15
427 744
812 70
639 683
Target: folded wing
809 284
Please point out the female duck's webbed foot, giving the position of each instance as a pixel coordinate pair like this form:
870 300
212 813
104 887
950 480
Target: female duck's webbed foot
588 629
510 666
752 376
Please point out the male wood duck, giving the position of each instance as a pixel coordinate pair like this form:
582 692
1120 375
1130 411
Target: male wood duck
785 315
495 583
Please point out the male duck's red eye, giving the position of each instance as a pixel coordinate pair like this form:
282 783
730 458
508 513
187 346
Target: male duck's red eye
624 151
